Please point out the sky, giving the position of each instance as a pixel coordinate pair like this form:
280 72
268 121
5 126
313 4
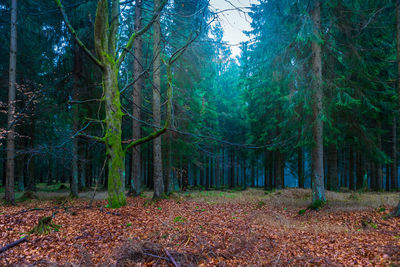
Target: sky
234 22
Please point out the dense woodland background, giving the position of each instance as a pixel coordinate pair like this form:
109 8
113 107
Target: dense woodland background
254 120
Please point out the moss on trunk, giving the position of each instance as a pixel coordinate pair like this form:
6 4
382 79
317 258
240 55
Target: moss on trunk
112 138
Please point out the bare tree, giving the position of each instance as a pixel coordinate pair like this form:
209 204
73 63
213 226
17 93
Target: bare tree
317 153
137 103
157 157
10 175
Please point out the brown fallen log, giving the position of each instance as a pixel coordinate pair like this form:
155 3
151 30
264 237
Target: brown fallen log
13 244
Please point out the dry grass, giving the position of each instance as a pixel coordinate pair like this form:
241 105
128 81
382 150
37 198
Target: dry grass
295 198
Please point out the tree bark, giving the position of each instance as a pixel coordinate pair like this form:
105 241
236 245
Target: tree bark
232 170
333 167
10 172
359 171
351 169
394 181
394 168
266 180
75 146
379 164
157 157
278 168
207 169
270 170
373 175
168 162
300 171
317 152
135 188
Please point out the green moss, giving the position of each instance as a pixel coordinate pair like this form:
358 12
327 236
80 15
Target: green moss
302 212
58 3
179 219
45 226
317 204
260 204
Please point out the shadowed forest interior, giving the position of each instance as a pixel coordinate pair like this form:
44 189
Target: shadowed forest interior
146 114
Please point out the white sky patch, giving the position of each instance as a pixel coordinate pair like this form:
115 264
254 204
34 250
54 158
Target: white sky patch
233 21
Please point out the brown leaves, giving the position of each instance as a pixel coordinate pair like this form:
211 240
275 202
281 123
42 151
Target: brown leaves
207 234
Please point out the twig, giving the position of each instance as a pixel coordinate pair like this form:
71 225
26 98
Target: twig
279 256
23 211
156 256
171 258
97 183
13 244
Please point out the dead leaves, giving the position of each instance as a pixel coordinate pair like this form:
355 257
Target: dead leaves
207 234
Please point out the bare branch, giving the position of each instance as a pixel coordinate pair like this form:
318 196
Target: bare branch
139 33
75 35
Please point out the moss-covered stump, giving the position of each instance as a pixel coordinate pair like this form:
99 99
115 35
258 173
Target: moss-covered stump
45 226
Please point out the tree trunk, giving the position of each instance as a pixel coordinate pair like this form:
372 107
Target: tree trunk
207 169
300 171
379 177
232 169
278 168
394 170
20 174
266 180
387 184
351 169
345 168
75 146
223 166
10 173
217 171
317 152
333 168
82 166
359 171
167 174
282 166
270 170
157 157
4 160
373 176
30 165
135 188
150 181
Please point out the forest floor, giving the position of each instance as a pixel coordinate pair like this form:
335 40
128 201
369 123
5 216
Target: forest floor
207 228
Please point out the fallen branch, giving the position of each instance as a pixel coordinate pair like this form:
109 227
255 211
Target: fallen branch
279 256
155 256
171 258
277 260
13 244
24 211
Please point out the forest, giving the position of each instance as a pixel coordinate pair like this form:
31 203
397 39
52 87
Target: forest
133 134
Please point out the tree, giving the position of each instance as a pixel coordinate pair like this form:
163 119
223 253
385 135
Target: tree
317 161
9 193
105 38
75 155
137 102
396 212
157 156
